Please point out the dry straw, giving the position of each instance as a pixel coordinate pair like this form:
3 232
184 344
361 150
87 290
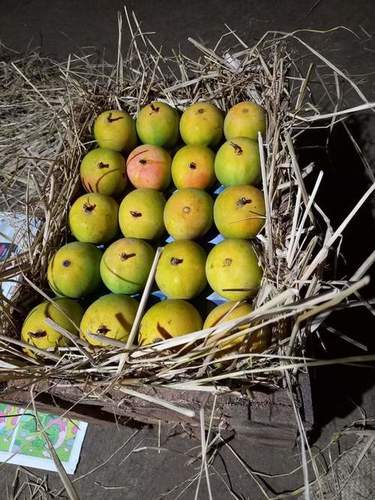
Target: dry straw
47 111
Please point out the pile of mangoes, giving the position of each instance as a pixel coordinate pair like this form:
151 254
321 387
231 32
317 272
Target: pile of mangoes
135 195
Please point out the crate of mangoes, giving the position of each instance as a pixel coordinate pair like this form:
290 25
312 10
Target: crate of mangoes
179 261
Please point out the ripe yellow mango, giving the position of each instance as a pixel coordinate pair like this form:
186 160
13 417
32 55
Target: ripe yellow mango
167 319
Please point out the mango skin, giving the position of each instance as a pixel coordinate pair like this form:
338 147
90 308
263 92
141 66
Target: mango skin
93 218
167 319
226 312
74 270
103 171
193 167
237 162
141 214
111 315
149 166
126 264
188 214
259 339
232 269
239 212
37 333
245 119
180 273
157 124
202 124
114 129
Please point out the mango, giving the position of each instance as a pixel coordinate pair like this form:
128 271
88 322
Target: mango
36 332
141 214
126 264
226 312
256 341
232 269
167 319
188 214
193 167
202 123
74 270
112 316
245 119
93 218
103 171
237 162
157 124
114 129
149 166
239 212
180 273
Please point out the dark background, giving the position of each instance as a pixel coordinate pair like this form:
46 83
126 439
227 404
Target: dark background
341 394
63 26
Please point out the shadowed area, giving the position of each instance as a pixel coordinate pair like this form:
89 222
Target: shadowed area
338 390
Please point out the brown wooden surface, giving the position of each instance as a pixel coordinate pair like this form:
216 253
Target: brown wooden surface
263 418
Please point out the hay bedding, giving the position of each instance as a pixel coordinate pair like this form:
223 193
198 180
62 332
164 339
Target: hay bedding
47 111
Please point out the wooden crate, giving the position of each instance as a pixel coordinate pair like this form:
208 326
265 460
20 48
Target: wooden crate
263 416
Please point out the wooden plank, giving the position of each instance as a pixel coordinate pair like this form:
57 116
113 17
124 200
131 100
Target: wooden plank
266 418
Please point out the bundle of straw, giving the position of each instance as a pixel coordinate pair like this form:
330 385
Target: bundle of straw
46 122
